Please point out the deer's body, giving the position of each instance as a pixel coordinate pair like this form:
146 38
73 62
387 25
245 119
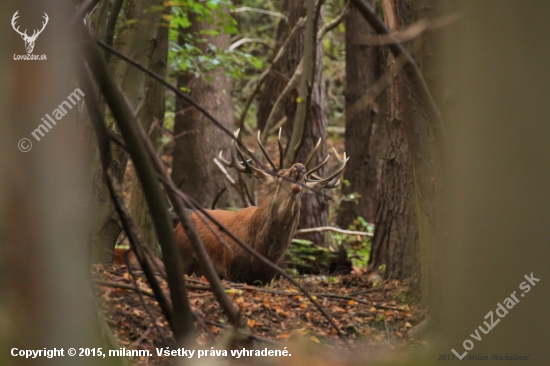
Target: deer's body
268 229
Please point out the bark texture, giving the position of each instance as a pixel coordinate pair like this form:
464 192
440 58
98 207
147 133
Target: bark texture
395 241
366 132
137 40
151 115
197 140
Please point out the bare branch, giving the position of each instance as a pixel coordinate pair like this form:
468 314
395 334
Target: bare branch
297 73
128 224
261 11
242 41
306 82
412 71
334 229
413 31
266 72
182 319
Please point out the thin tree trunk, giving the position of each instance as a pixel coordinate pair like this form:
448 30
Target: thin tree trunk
136 40
366 132
152 112
198 141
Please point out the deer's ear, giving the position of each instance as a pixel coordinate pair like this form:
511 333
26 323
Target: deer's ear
263 177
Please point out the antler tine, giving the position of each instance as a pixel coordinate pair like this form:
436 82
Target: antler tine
13 21
44 23
239 154
281 151
312 153
265 153
223 160
234 162
318 166
333 185
332 182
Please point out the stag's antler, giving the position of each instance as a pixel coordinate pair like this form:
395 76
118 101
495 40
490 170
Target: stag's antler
24 34
29 40
241 164
333 180
44 23
13 19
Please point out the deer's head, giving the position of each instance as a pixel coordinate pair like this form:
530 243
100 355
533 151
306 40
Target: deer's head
29 40
288 184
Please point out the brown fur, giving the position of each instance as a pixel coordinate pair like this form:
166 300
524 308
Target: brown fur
268 229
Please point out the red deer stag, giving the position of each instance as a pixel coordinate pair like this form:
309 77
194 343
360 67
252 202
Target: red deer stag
268 228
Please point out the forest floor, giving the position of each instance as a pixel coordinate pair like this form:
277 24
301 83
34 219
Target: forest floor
374 316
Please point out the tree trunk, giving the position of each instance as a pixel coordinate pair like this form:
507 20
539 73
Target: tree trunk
136 40
396 238
314 211
366 131
152 112
197 140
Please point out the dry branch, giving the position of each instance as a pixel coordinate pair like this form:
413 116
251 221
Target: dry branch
266 72
128 224
334 229
297 73
411 70
182 320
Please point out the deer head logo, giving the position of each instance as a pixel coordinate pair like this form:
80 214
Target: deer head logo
29 40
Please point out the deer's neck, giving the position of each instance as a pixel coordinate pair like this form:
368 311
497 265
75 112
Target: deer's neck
274 224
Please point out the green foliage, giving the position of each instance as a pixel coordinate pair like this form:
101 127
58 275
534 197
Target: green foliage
358 247
196 55
335 64
303 252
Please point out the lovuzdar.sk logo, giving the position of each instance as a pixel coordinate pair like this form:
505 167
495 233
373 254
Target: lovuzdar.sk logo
29 40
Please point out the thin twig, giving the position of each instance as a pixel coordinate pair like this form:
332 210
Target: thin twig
411 32
233 183
367 291
330 228
261 11
142 300
180 319
195 240
242 41
128 224
123 286
412 71
266 72
244 332
298 72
